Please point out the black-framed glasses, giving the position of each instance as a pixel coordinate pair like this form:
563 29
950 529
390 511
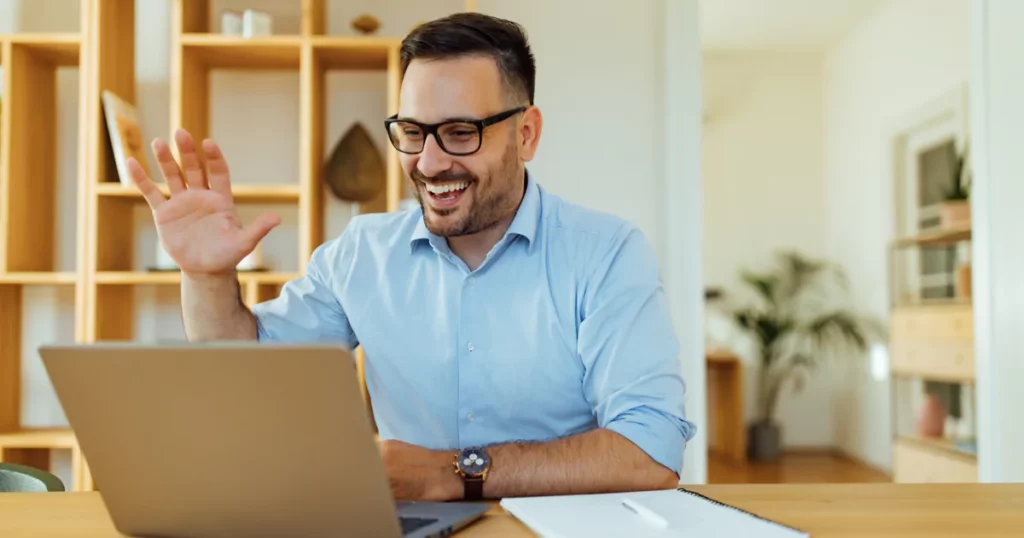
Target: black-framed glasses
456 137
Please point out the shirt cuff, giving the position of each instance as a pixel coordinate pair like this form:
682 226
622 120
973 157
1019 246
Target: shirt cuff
662 438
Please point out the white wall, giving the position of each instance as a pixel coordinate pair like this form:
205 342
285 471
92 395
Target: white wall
604 143
764 192
902 57
997 196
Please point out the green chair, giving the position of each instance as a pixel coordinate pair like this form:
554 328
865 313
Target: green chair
23 479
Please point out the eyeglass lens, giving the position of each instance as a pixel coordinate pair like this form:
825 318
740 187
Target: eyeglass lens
453 137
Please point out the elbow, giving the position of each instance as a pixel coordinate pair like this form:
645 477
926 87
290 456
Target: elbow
662 477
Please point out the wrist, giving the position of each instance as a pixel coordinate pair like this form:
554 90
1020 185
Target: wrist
207 279
449 483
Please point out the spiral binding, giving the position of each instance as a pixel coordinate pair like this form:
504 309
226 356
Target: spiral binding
738 509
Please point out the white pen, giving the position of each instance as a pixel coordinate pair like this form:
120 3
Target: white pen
652 517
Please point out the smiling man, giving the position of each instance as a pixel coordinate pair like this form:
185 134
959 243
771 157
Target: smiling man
516 343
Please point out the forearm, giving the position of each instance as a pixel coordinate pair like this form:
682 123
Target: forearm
591 462
212 309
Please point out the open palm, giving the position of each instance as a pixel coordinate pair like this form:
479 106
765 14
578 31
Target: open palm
198 225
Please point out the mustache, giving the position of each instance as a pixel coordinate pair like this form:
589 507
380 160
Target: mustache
443 177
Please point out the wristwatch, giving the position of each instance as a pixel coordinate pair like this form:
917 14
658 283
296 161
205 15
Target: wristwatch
472 464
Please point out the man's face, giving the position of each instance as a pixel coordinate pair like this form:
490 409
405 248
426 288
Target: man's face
462 195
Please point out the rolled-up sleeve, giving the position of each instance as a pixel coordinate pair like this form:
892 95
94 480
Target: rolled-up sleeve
308 310
633 378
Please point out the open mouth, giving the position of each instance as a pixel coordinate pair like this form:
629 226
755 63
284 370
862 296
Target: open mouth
446 194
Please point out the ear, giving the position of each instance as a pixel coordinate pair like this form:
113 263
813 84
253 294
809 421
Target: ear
529 132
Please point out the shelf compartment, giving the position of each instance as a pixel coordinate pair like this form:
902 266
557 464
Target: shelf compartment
32 446
284 194
916 462
39 278
232 52
30 148
365 53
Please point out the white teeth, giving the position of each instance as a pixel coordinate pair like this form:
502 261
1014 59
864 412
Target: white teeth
447 187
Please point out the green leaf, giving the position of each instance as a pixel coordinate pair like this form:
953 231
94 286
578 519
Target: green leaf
838 327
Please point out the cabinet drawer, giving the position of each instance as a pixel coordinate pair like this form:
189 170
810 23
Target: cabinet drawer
915 463
934 341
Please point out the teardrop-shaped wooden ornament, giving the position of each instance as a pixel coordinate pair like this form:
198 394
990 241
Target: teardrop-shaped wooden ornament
355 169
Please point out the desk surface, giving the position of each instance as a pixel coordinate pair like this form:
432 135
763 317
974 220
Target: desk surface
826 511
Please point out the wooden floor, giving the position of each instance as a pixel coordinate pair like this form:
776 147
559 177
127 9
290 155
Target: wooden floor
792 469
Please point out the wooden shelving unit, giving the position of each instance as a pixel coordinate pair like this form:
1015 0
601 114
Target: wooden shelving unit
105 278
28 220
931 341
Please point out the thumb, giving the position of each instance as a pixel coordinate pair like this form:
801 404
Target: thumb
259 228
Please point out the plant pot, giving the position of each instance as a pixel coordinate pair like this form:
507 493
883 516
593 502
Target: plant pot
955 214
764 439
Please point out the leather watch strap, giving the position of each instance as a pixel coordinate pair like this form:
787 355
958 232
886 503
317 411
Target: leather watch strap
474 488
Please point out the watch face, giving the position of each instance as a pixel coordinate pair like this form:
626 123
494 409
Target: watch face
474 461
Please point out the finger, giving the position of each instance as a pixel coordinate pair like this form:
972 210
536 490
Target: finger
220 177
259 228
168 167
190 161
146 186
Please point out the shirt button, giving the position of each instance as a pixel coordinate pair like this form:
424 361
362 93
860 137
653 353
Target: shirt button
471 346
470 417
470 280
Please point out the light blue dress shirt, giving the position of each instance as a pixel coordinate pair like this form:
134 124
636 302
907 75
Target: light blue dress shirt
563 328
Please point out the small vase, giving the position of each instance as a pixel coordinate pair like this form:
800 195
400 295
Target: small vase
932 420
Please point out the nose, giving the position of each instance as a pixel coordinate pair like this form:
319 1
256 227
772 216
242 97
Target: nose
433 160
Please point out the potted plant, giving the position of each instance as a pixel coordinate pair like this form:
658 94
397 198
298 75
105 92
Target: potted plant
955 211
795 325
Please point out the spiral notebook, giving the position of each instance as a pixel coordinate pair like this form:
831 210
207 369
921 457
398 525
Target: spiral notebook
679 512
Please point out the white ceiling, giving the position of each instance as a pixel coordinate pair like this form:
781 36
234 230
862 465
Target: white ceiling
779 24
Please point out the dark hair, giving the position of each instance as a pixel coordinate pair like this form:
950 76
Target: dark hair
464 34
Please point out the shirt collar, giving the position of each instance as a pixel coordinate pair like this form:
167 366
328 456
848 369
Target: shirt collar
524 224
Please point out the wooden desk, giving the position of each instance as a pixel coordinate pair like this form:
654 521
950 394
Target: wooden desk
727 431
825 511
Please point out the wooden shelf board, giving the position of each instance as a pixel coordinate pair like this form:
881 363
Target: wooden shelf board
353 52
40 278
60 48
944 445
259 194
931 376
935 238
174 277
39 438
928 303
271 52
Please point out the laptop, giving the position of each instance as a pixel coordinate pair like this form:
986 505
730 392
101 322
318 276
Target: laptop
224 440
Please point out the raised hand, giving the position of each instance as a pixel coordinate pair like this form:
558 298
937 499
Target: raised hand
198 225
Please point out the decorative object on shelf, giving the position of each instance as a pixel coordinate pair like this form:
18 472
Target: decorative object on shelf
164 262
955 211
365 24
231 22
256 23
931 422
124 134
252 261
355 169
794 328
